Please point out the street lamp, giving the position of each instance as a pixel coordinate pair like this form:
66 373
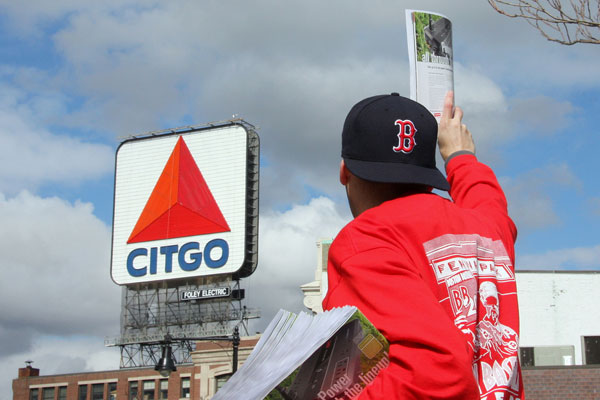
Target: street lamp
166 364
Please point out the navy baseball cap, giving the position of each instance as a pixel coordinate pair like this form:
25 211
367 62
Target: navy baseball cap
392 139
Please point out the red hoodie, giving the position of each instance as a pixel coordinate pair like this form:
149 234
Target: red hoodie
436 277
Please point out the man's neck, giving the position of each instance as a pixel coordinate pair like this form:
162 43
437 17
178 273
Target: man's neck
372 199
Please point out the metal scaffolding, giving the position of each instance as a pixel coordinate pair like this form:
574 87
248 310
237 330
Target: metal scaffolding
151 311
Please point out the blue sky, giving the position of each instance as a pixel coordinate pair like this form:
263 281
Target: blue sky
75 77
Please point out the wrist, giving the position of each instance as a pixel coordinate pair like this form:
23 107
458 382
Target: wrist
458 153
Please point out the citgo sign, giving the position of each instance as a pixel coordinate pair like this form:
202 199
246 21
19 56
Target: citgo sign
180 205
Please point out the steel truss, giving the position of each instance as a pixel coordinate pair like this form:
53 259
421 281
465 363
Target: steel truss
151 311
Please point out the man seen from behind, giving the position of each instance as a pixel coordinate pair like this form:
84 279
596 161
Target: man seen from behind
434 275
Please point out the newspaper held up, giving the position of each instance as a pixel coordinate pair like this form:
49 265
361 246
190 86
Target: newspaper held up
430 59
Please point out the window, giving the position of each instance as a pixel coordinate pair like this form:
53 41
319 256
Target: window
547 355
185 388
148 393
62 393
112 391
527 358
48 393
82 392
163 394
220 380
98 391
591 345
133 390
34 394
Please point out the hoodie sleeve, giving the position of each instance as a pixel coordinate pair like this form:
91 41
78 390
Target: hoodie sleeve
473 185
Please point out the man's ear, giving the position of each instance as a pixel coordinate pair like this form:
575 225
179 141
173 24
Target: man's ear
343 173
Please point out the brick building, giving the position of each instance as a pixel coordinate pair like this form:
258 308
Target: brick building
211 367
575 382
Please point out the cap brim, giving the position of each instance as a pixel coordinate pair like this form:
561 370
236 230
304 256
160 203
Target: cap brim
385 172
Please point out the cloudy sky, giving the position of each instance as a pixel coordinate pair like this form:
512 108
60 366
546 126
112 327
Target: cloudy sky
75 77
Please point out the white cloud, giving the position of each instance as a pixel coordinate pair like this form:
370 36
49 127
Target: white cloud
144 66
40 14
577 258
541 114
495 119
30 154
485 110
58 300
31 157
55 276
518 56
300 109
288 254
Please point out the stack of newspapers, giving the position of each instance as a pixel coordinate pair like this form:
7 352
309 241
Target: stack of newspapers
324 356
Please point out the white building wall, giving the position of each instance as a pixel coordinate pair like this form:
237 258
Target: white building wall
558 308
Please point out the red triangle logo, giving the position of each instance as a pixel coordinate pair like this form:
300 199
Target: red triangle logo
180 204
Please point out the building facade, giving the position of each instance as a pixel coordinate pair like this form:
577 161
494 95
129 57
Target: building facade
559 323
211 367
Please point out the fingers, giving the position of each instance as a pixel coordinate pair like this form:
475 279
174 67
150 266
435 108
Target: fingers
453 135
449 112
448 104
458 113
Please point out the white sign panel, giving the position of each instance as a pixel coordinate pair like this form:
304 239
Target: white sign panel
180 206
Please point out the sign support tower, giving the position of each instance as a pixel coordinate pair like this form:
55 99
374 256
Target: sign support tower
185 232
